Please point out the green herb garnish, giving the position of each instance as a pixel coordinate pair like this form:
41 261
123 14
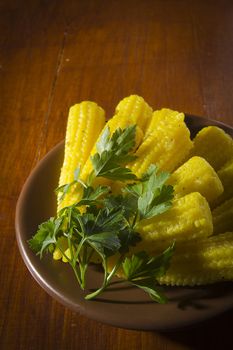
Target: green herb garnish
108 227
113 153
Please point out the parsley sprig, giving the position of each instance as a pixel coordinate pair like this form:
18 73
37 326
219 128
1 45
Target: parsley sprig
142 270
152 194
108 226
113 152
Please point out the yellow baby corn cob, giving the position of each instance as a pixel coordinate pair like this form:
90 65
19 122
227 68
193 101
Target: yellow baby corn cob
136 108
166 146
226 176
159 117
188 218
223 217
201 262
85 121
114 123
196 175
213 144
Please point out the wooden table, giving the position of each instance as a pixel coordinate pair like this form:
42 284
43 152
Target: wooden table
177 54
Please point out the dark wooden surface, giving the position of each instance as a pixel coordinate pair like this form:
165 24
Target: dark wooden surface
176 54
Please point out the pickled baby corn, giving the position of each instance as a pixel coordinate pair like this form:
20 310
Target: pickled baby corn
166 146
160 117
136 108
226 176
201 262
213 144
223 217
188 218
85 121
196 175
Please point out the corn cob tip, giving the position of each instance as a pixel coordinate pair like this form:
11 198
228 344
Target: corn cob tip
136 108
196 175
213 144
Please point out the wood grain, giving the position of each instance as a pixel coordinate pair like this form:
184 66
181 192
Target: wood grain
176 54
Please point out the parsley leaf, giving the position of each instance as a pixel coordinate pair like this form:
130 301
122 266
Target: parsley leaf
110 219
100 228
128 238
141 265
45 236
91 194
142 271
149 286
127 203
66 188
113 152
154 197
105 243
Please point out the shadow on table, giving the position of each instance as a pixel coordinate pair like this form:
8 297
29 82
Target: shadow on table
216 333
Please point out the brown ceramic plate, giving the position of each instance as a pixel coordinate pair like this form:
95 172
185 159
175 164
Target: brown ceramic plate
123 307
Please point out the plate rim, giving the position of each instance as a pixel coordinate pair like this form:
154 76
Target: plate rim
47 286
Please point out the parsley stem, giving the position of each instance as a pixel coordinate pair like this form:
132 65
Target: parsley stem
83 269
63 253
116 267
107 278
76 256
105 271
104 285
135 219
70 248
90 255
81 225
118 282
72 264
83 266
82 183
77 275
